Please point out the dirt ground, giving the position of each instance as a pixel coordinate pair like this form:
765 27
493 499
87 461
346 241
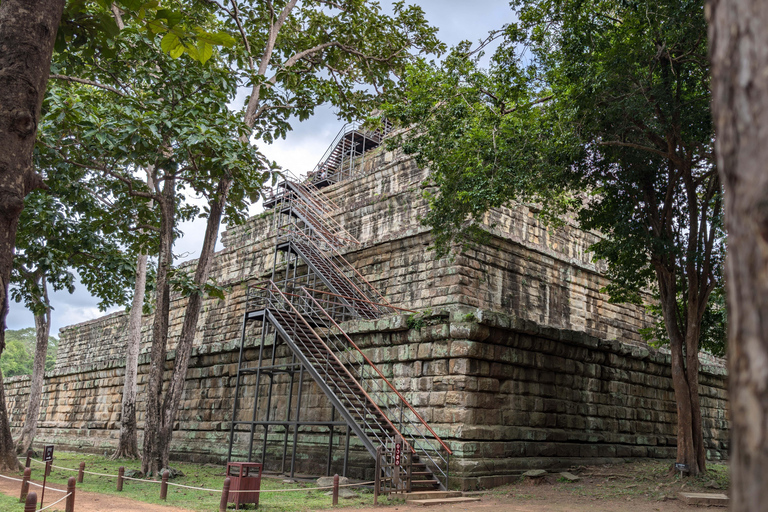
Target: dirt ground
85 501
642 486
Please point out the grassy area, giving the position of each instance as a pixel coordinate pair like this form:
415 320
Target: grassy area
195 475
10 503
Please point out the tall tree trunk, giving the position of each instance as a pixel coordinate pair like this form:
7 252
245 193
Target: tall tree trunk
152 459
128 445
739 54
43 333
191 314
27 33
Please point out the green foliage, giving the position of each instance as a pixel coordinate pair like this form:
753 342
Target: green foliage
19 354
599 107
414 321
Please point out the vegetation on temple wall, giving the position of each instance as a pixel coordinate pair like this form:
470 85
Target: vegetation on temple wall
602 108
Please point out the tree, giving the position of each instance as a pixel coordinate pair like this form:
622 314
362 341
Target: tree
56 238
27 33
20 352
740 107
601 107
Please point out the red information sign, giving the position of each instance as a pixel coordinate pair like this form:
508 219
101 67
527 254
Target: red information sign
398 452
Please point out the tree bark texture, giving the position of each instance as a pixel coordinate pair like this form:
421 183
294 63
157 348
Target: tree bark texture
27 34
152 459
191 314
42 332
128 445
739 57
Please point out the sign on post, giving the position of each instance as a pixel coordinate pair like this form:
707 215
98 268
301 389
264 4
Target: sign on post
48 454
398 453
47 458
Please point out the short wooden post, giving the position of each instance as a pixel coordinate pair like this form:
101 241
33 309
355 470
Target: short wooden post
120 473
335 489
48 468
31 504
164 485
225 495
25 485
29 458
80 473
69 505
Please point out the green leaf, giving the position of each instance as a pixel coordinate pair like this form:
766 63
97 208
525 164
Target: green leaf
170 42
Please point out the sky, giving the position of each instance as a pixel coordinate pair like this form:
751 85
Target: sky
457 20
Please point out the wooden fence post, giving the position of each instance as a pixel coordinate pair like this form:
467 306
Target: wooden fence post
31 504
25 485
120 473
69 505
164 485
225 495
29 458
335 489
80 473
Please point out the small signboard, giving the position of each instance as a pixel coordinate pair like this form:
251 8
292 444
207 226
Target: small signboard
683 468
398 453
48 453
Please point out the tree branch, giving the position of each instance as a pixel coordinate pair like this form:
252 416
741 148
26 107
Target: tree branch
87 82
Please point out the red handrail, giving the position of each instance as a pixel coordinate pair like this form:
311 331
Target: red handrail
296 311
376 369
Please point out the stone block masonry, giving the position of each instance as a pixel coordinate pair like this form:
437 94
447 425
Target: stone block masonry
507 395
518 360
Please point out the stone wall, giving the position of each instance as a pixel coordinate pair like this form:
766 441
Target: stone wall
505 393
518 360
540 274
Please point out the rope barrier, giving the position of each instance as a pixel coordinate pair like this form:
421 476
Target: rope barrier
204 489
49 488
11 478
55 502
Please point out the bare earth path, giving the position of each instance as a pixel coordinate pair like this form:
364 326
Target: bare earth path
86 501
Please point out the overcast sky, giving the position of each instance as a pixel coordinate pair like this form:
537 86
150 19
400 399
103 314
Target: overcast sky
299 152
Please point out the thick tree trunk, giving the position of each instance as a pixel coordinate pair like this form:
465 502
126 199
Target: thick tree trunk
43 333
685 375
191 314
128 445
152 458
739 54
27 33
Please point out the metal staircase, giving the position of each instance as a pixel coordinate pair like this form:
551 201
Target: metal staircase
313 289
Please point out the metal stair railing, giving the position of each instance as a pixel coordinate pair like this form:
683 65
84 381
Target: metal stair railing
325 313
291 232
355 404
421 438
340 160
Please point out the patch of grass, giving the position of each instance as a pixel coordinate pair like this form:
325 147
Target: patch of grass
10 502
195 475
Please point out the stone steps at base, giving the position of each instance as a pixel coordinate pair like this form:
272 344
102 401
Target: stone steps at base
441 501
431 495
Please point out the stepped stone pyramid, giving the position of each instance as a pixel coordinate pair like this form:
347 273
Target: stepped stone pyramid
514 357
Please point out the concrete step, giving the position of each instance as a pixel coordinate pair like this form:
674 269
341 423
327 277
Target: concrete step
430 495
441 501
704 498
